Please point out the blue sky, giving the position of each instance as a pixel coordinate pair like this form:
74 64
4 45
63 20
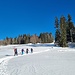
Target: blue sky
32 16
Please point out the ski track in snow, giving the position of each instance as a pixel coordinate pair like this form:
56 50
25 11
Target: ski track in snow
3 65
4 62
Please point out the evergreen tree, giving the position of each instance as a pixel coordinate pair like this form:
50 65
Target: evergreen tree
56 23
57 36
50 38
24 38
57 33
63 42
69 29
27 38
15 41
42 37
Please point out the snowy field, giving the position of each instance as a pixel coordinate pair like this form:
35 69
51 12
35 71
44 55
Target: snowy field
45 60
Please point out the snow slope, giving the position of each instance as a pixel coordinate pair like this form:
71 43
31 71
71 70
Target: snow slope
45 60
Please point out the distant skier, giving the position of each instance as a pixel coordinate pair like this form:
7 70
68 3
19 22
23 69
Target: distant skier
22 51
31 50
15 51
27 51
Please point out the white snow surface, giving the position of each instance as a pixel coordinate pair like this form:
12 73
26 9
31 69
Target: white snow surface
46 59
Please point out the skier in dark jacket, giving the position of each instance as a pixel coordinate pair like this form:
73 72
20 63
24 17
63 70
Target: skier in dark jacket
31 50
27 51
15 52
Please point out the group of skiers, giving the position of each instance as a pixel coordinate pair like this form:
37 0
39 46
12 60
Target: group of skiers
22 51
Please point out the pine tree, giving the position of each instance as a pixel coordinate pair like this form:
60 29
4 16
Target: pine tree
56 23
63 42
57 33
70 28
28 38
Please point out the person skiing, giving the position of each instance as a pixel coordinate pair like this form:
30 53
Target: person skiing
27 51
15 51
22 51
31 50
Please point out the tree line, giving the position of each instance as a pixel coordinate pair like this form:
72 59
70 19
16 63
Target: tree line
65 30
27 38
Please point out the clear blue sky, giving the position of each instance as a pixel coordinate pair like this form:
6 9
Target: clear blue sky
32 16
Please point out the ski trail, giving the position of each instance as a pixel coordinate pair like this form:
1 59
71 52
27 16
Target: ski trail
3 65
4 62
